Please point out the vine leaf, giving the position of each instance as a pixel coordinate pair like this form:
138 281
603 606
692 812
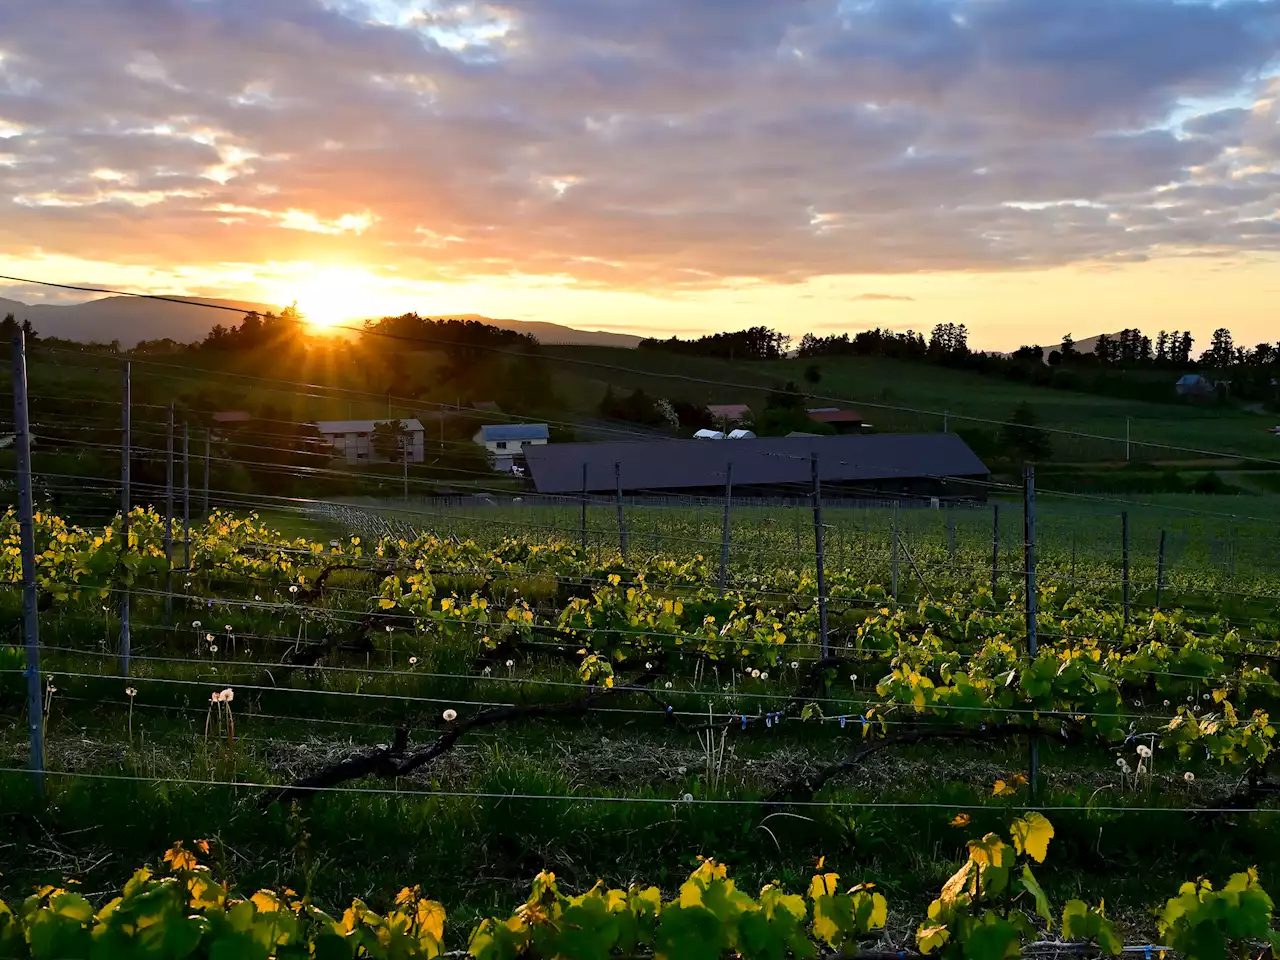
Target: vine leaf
1032 886
1031 835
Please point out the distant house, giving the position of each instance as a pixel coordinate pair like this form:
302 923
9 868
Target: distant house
353 439
506 441
726 413
842 421
1195 386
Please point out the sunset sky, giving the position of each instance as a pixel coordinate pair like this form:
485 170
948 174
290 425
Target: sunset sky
1027 167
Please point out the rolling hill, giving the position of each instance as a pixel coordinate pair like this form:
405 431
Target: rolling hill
131 319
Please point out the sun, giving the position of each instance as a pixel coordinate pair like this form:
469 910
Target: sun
337 299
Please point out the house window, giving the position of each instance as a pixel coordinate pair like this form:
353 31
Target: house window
501 444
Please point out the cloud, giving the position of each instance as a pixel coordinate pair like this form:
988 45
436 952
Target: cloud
888 297
658 146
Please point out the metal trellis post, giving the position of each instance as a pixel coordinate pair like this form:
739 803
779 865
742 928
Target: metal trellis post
818 550
995 551
168 521
583 520
126 456
26 527
208 457
622 520
186 501
724 527
1029 547
1124 559
1160 571
893 556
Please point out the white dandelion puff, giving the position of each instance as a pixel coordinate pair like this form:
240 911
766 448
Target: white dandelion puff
1189 777
687 798
450 715
1144 751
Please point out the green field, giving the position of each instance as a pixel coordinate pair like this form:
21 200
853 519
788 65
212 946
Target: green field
502 608
886 391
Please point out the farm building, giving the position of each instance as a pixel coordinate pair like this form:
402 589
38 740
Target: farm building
505 441
1195 386
841 421
875 466
727 414
353 439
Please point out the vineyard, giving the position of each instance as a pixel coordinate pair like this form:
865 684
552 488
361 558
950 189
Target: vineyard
370 707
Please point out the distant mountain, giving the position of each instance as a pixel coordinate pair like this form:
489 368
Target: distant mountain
130 319
1087 345
553 333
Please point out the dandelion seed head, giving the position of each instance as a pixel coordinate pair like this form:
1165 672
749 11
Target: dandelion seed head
450 715
213 648
668 685
1189 777
1144 751
687 798
511 663
412 661
130 692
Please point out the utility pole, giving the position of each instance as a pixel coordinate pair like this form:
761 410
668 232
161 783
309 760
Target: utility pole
724 527
820 559
1128 421
168 521
27 537
126 456
406 471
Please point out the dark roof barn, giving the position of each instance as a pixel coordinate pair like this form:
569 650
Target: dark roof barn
770 462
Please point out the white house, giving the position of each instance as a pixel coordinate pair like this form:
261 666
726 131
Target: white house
353 439
505 441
